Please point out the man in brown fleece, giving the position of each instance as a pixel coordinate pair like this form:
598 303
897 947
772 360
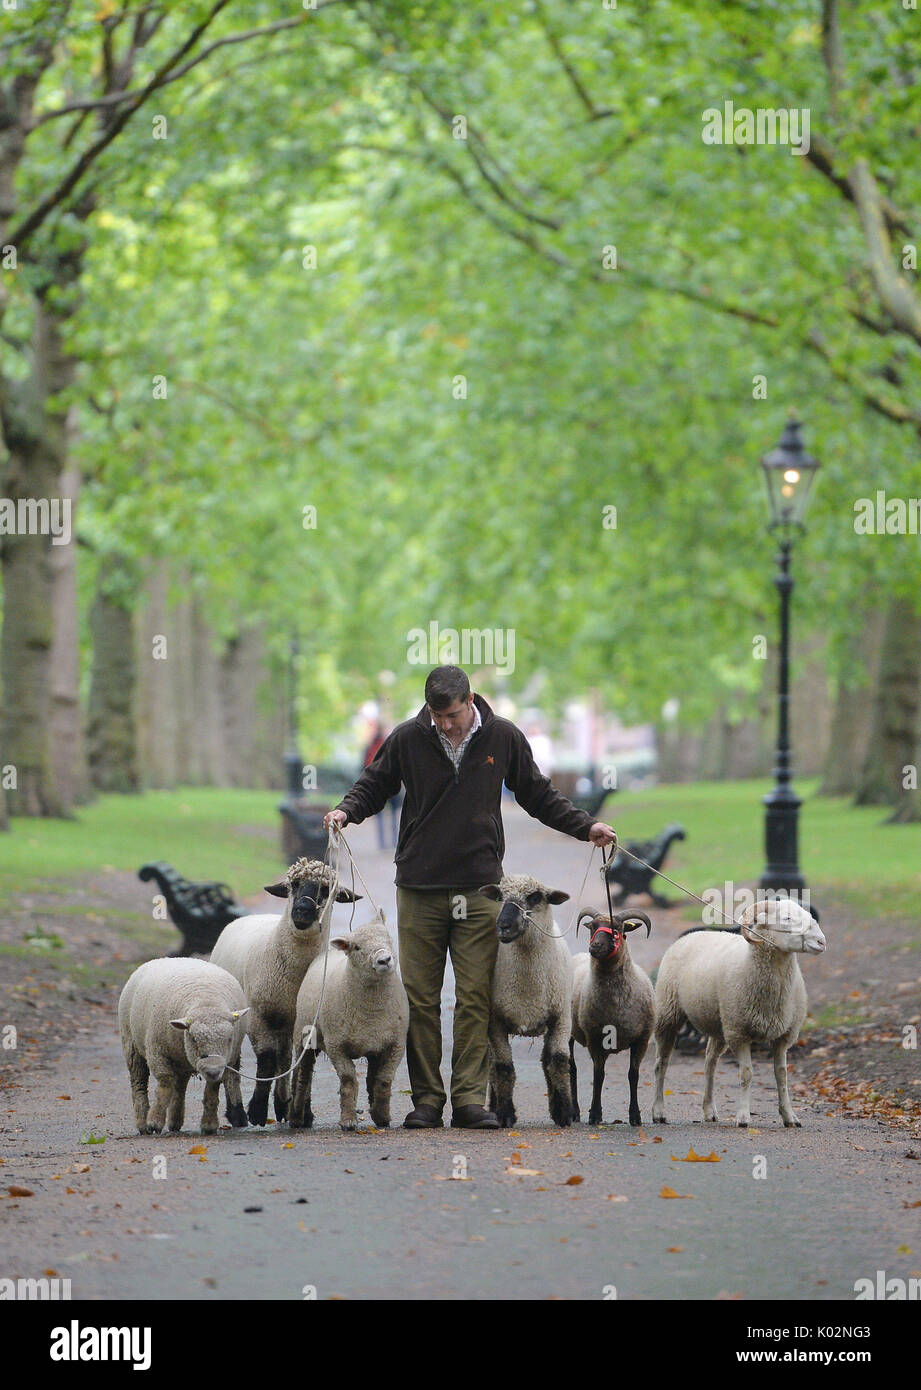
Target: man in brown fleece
452 758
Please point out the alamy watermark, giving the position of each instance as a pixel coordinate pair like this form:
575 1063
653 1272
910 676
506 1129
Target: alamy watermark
887 516
763 126
36 516
470 646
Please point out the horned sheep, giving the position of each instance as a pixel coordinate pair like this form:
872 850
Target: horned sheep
613 1005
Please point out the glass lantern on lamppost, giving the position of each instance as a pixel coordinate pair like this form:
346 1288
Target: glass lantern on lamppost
789 473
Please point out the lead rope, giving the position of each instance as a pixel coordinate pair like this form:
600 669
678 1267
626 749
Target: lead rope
311 1030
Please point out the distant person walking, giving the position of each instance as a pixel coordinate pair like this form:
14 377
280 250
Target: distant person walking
452 759
392 808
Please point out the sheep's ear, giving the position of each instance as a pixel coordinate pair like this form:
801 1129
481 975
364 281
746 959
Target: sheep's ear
180 1022
238 1013
278 890
491 890
341 944
345 895
556 895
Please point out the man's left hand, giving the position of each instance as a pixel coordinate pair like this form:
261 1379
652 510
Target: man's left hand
601 834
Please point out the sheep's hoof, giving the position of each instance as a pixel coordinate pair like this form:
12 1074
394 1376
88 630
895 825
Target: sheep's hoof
209 1129
711 1116
281 1109
594 1117
793 1123
150 1129
506 1118
742 1122
636 1119
659 1120
237 1116
348 1124
380 1121
258 1117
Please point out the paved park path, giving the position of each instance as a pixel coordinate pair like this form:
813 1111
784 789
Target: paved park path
541 1214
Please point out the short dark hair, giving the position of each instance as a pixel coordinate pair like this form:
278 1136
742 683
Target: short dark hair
444 685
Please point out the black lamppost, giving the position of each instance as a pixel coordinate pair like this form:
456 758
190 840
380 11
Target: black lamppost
789 473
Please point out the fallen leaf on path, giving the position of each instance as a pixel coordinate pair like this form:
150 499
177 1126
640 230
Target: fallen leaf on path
51 1273
574 1180
670 1192
525 1173
911 1204
15 1191
78 1168
612 1197
657 1139
63 1097
692 1157
287 1146
674 1249
198 1149
904 1250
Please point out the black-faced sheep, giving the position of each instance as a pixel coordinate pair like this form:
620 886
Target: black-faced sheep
270 955
531 993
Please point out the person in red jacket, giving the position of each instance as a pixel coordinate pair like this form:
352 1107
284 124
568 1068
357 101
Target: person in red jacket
452 759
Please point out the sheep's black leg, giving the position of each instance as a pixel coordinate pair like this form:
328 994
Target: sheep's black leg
556 1073
573 1082
266 1065
637 1053
598 1064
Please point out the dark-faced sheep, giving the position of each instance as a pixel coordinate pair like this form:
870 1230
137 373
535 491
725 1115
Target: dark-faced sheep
613 1005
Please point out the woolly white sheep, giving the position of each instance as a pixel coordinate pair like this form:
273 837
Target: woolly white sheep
737 989
531 993
613 1005
364 1013
178 1019
270 956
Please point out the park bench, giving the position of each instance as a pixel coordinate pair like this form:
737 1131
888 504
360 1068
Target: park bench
200 911
629 877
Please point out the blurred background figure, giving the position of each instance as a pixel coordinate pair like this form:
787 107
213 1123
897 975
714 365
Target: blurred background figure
388 821
541 747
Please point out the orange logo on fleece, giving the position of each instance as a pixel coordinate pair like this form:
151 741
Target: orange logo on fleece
490 759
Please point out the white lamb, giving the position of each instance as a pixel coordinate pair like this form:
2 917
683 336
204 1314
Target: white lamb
737 989
270 955
178 1019
364 1013
531 993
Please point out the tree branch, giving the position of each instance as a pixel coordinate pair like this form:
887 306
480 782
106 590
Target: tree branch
34 219
116 98
595 113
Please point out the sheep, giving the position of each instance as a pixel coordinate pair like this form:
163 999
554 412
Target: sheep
530 993
364 1013
613 1005
269 955
738 989
182 1018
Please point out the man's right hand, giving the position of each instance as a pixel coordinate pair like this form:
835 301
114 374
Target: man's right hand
335 820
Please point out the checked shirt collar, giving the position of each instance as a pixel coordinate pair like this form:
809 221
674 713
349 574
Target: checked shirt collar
455 754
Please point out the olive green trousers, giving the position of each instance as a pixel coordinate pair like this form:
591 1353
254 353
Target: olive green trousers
431 922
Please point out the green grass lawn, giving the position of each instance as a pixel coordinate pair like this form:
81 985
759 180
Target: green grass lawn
213 833
205 832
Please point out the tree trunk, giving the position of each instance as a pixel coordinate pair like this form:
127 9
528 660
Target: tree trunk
112 733
894 730
36 437
850 730
68 745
